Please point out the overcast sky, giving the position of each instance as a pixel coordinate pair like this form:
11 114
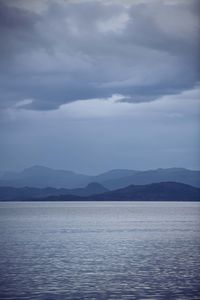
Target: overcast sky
94 85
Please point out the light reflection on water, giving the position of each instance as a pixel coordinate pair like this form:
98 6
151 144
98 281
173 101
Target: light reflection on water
98 250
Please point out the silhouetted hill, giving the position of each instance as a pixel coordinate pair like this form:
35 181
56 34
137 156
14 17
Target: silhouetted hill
92 188
153 176
164 191
12 193
114 174
42 177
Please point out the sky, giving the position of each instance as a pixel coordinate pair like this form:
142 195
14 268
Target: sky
94 85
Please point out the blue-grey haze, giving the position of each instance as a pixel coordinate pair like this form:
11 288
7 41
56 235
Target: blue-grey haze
96 85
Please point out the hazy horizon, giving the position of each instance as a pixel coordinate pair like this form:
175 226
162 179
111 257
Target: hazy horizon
92 174
91 86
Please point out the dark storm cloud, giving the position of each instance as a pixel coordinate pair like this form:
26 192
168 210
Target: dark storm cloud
55 52
16 32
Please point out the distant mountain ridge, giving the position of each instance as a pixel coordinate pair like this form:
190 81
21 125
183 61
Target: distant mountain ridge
153 176
43 177
13 193
163 191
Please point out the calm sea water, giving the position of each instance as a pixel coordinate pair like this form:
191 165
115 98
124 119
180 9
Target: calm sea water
100 250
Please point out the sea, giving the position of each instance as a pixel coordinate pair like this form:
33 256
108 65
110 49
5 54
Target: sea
99 250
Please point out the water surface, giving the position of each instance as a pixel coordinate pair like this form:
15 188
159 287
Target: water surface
93 250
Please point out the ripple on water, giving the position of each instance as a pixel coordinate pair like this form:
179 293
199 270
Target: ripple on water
114 251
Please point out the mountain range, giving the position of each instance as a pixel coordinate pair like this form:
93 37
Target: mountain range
13 193
43 177
164 191
42 183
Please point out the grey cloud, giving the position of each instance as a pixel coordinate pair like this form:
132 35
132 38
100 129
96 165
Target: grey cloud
16 32
60 54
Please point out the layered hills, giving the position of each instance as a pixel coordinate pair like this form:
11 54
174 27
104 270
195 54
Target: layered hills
13 193
41 183
43 177
164 191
